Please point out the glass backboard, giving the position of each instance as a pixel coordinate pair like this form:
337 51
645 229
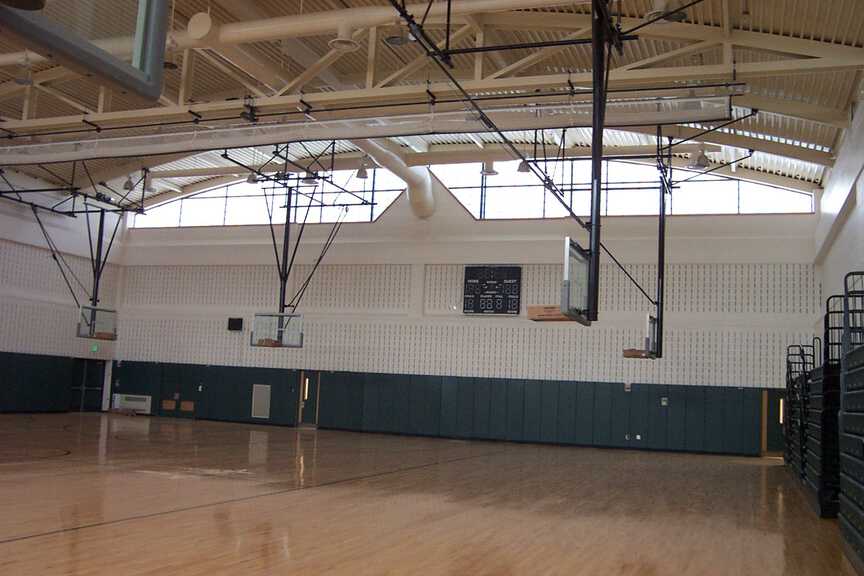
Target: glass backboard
574 288
121 42
277 330
97 323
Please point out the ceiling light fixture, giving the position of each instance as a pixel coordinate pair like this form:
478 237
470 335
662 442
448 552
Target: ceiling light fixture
362 174
401 39
667 11
523 167
700 161
252 178
489 169
310 178
128 185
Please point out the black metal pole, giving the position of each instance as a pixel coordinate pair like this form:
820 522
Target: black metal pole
94 300
661 263
97 271
283 265
598 42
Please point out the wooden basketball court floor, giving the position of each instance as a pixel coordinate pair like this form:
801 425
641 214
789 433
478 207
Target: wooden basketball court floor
105 494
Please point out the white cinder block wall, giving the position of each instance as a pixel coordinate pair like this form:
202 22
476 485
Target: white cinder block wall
727 324
37 312
739 290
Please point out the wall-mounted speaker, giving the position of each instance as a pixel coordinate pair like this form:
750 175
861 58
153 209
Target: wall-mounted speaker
235 324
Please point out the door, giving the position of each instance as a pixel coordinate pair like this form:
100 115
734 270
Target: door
87 380
774 423
309 383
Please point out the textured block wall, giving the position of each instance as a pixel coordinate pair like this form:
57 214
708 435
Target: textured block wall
37 312
728 324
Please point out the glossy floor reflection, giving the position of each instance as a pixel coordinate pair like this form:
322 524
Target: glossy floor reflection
99 494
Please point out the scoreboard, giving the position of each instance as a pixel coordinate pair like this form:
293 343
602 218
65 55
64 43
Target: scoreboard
492 290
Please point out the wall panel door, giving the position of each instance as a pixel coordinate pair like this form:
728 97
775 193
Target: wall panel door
695 418
585 410
515 409
620 415
371 410
498 413
481 407
449 406
603 413
637 428
715 410
531 423
566 412
549 411
658 417
676 414
465 407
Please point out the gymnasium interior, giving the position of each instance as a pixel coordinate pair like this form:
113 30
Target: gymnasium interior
486 287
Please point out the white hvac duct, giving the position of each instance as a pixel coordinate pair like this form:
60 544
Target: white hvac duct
205 33
418 179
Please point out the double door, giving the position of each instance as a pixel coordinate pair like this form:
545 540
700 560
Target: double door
85 390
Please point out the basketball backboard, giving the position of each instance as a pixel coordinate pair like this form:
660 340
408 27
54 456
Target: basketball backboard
121 42
277 330
97 323
574 288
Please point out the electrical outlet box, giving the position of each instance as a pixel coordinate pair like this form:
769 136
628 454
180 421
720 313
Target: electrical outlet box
664 401
627 387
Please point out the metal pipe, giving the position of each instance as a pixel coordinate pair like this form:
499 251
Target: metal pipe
283 264
599 28
524 46
661 264
210 34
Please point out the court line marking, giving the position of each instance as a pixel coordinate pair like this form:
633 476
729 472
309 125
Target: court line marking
244 498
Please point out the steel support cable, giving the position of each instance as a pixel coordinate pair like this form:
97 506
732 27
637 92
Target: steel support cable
302 229
326 179
11 187
334 231
428 46
54 256
258 172
58 256
752 113
273 235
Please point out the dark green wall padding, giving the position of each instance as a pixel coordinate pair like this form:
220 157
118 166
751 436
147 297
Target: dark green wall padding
692 418
225 392
36 383
648 416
